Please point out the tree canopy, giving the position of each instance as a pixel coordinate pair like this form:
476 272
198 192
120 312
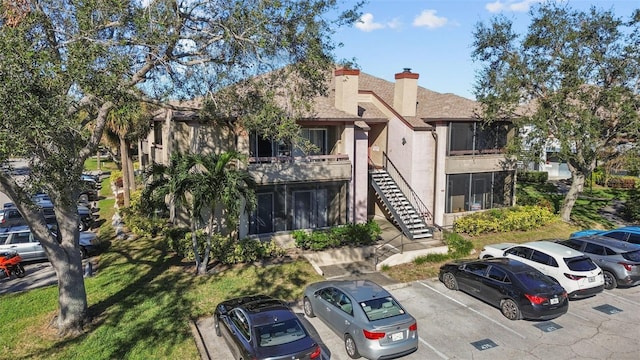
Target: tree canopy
571 82
67 64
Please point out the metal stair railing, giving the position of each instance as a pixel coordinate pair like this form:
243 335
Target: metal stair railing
392 209
406 189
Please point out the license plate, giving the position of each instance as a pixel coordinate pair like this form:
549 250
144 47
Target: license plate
397 336
554 301
592 279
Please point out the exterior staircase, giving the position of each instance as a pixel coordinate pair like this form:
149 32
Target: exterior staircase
404 213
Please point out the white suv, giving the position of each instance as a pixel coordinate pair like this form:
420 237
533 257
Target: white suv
575 271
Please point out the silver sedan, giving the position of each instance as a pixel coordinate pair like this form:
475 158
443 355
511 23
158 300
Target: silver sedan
366 316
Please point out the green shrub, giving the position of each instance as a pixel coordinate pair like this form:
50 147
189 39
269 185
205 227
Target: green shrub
346 235
517 218
458 246
621 182
631 208
431 258
533 177
223 248
137 221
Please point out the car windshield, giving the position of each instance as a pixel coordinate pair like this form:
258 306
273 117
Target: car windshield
580 263
534 280
632 255
279 333
381 308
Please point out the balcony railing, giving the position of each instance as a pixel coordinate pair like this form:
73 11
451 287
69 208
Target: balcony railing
292 159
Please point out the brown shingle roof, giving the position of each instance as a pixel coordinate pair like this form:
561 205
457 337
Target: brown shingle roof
432 106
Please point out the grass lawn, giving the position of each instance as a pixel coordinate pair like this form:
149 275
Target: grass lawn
141 300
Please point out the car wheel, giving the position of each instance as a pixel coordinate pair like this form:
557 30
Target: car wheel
510 309
450 281
216 325
84 198
84 252
82 226
308 309
610 281
350 346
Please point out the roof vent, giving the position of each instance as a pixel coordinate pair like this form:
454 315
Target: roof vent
407 70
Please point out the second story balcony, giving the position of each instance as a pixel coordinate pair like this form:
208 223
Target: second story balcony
290 169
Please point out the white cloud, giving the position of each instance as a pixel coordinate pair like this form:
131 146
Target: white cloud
394 24
366 23
428 18
510 5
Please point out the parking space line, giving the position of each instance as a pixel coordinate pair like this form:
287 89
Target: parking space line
621 298
578 316
470 309
442 356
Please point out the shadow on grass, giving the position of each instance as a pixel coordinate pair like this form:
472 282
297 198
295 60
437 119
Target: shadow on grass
146 311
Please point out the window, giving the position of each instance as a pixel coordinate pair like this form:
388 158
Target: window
279 333
328 294
260 146
572 243
241 323
310 209
466 138
157 133
262 218
318 138
498 275
620 235
634 238
21 238
478 191
580 263
344 303
520 251
594 249
478 269
381 308
541 258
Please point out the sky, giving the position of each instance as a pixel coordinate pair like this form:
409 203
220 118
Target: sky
434 38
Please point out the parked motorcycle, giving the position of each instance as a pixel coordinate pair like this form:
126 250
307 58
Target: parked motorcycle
11 263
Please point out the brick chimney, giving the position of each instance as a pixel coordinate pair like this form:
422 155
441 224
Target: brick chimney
347 90
405 94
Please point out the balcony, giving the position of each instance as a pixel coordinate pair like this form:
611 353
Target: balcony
288 169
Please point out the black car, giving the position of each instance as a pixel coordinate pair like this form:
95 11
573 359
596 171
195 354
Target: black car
519 290
261 327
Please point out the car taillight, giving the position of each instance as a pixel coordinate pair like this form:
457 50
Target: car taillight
316 353
373 335
574 277
627 267
413 327
536 299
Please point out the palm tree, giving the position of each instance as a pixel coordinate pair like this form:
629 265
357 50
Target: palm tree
130 122
220 187
211 186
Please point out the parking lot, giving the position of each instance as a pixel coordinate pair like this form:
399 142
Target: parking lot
453 325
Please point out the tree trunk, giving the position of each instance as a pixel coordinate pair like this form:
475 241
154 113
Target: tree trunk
124 157
66 261
577 184
132 175
207 250
194 241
